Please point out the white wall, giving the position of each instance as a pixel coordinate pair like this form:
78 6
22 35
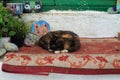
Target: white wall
84 23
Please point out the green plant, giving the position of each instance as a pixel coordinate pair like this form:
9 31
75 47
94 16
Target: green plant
6 22
20 28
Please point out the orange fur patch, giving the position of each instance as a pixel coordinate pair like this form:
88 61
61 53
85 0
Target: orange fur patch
66 36
66 45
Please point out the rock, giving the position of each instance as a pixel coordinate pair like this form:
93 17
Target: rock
2 51
10 46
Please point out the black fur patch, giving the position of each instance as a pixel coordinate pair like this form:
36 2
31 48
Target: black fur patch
60 40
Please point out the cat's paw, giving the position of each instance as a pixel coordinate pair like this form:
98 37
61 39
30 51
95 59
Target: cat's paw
50 50
57 52
64 51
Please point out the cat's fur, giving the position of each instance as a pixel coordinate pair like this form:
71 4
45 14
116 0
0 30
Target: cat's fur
60 41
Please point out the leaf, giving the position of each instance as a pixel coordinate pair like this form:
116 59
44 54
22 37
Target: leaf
6 19
5 29
11 33
1 20
1 4
10 23
0 34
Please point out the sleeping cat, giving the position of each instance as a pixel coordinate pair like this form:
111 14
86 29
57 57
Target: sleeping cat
60 41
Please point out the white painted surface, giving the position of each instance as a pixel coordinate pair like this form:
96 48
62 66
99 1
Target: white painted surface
84 23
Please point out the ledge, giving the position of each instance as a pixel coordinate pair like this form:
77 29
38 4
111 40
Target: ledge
84 23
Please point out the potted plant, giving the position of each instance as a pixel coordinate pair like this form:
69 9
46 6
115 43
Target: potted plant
11 27
21 29
6 24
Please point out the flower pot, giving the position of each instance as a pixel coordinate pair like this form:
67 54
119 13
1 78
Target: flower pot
17 40
4 40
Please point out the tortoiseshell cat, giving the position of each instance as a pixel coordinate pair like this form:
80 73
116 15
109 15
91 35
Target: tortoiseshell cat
60 41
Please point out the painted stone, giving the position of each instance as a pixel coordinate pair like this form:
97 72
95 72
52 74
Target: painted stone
118 6
40 28
31 39
27 7
37 7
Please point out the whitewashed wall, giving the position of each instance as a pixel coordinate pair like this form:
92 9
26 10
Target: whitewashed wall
84 23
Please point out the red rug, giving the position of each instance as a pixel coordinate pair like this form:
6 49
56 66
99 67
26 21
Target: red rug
88 46
106 61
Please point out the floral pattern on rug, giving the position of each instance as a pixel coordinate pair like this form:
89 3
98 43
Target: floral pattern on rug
87 61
